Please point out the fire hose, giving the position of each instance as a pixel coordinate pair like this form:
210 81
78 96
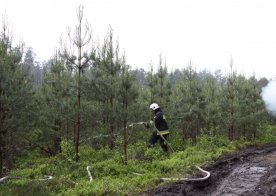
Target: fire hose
164 138
132 124
2 180
144 123
163 179
190 179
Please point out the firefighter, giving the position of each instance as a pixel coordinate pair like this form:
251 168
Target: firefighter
161 127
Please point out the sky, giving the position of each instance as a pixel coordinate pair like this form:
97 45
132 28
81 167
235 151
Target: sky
207 33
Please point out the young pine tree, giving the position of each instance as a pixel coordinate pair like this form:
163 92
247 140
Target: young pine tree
16 102
127 99
105 82
78 61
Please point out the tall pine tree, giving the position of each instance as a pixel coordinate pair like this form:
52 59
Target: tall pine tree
81 59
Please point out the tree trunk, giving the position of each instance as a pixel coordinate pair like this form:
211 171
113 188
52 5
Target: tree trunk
57 139
125 105
78 113
1 153
1 134
125 141
112 136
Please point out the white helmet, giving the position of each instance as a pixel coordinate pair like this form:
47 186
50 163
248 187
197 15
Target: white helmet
154 106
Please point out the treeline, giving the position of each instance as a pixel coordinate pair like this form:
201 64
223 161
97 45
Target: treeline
90 96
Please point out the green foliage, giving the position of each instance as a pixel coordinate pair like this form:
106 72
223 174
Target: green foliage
267 134
177 141
137 151
218 145
154 153
201 110
67 149
16 101
110 175
25 187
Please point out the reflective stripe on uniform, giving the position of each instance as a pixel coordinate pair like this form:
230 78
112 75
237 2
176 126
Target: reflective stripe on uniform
163 132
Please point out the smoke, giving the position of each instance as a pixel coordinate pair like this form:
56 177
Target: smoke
269 96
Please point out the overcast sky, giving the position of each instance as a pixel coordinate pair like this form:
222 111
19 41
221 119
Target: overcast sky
207 32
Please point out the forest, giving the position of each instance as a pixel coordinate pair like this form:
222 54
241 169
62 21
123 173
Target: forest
61 117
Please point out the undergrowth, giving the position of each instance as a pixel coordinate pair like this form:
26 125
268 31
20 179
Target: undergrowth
110 176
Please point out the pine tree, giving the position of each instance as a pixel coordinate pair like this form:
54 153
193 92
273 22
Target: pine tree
250 107
16 99
163 87
151 82
54 108
104 83
79 62
229 103
127 96
188 99
211 110
32 68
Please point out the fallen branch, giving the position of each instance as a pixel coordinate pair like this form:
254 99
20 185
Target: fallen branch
137 174
191 179
89 173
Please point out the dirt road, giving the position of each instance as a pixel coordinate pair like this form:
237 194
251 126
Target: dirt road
251 172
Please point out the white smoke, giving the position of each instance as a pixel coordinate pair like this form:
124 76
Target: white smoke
269 96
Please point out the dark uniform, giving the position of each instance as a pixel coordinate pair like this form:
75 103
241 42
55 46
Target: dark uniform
162 126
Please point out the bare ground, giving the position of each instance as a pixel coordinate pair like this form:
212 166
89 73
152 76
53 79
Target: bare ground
251 172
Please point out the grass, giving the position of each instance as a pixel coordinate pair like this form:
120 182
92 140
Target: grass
110 175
